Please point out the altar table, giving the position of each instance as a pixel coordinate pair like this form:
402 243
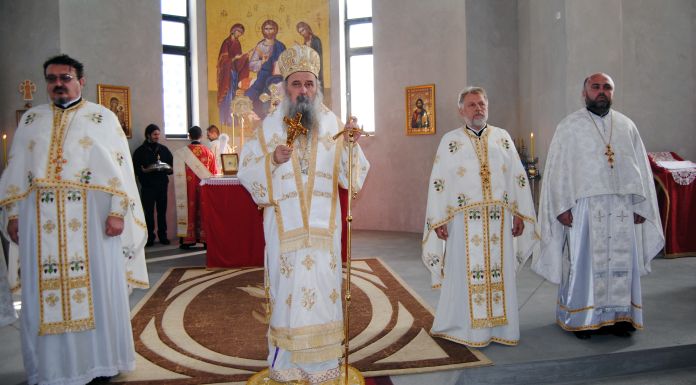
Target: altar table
233 224
676 193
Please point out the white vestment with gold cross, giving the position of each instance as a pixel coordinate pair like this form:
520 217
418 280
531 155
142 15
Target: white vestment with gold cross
69 170
302 226
598 261
476 186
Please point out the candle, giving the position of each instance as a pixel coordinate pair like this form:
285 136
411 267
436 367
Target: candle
233 146
532 146
241 135
4 148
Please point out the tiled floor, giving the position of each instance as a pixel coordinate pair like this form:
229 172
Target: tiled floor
669 297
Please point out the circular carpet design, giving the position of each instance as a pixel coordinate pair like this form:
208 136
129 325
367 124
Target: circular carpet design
199 326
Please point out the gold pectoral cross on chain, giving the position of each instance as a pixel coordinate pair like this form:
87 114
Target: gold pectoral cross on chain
610 155
295 128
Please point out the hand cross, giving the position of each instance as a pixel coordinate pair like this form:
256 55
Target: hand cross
295 128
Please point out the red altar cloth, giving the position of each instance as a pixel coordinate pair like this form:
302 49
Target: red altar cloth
676 194
234 224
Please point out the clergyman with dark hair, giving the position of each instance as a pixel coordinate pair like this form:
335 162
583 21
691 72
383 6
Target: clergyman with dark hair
70 203
191 164
150 161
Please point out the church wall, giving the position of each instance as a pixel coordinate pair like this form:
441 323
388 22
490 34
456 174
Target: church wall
492 59
27 37
415 43
658 90
542 70
119 42
647 46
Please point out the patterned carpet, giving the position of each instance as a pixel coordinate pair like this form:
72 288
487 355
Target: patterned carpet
201 326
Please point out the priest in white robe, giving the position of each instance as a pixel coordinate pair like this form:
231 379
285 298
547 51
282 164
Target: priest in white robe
600 225
480 228
70 203
296 181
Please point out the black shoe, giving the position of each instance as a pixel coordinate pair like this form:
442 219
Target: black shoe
583 334
149 242
165 241
186 246
99 380
626 326
622 329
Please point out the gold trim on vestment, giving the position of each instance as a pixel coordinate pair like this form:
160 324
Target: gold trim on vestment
488 288
41 184
466 208
566 309
476 344
317 355
307 344
599 325
306 236
70 288
296 376
58 130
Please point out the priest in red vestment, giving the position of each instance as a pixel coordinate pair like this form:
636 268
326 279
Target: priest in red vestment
191 164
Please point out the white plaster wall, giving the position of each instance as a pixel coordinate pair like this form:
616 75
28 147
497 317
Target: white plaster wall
27 39
119 42
415 43
647 46
658 90
492 58
542 71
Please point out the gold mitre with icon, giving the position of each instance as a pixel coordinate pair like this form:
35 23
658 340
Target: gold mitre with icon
299 58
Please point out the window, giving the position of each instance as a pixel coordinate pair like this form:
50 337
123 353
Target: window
360 90
176 68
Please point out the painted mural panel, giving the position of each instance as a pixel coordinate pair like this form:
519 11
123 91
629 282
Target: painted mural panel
244 40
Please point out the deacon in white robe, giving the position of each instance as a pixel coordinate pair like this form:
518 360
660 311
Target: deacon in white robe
600 225
219 144
298 188
480 203
70 202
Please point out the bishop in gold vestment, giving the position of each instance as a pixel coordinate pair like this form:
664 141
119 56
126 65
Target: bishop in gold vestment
298 188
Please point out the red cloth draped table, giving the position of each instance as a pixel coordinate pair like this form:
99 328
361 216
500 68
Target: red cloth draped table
676 193
234 225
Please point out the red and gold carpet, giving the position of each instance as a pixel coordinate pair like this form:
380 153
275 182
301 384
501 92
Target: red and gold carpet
199 326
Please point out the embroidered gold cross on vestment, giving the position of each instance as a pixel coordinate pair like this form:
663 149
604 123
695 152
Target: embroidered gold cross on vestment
295 128
59 161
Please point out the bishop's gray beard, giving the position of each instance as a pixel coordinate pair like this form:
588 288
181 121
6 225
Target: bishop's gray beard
308 108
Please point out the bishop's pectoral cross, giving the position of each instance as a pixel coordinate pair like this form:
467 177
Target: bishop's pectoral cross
295 128
610 155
